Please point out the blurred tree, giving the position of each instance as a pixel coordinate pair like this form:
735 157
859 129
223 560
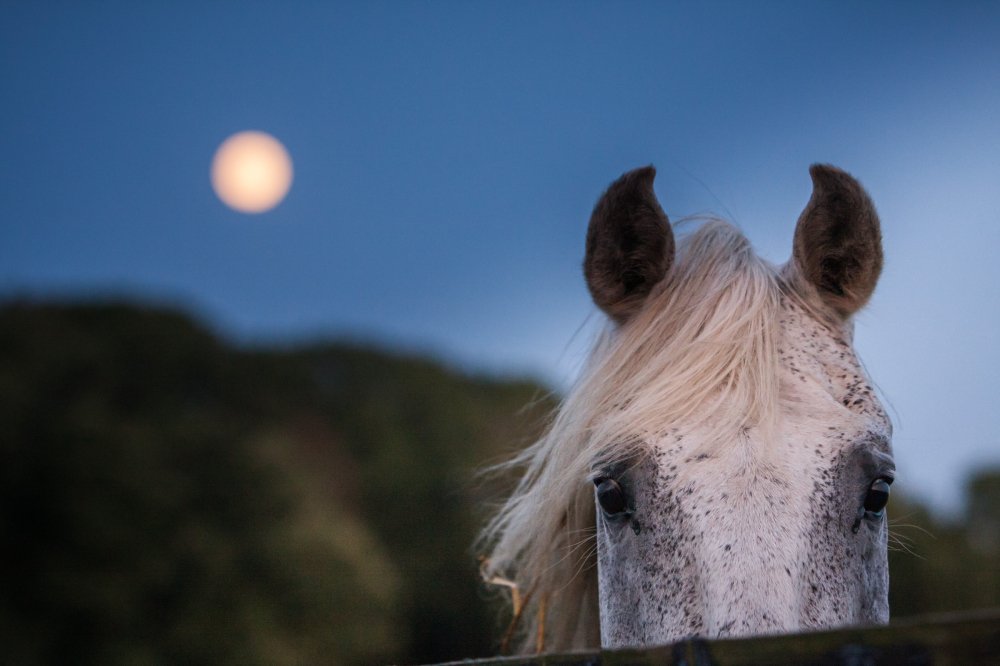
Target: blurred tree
982 530
944 565
983 511
170 498
145 518
419 433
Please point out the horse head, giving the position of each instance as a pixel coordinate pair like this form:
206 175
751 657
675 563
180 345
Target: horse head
722 466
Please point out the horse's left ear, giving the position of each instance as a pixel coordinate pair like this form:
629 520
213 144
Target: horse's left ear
630 245
838 241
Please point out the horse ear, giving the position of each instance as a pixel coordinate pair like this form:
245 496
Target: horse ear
630 245
838 241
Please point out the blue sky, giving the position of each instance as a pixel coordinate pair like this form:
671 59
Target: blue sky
447 156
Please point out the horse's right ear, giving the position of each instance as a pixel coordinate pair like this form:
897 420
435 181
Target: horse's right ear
630 245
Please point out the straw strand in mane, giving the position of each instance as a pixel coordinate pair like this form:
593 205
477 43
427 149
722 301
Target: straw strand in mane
705 337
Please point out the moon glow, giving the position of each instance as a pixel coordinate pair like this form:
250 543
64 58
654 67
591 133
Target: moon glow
251 172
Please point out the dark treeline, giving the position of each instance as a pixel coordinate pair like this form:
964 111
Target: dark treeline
168 497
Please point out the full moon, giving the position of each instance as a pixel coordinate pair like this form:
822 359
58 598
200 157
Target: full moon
251 172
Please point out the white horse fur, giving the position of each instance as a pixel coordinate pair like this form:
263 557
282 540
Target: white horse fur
720 467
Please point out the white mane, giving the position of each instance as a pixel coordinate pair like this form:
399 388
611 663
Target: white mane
703 350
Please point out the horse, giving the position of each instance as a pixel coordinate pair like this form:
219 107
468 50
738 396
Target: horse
721 467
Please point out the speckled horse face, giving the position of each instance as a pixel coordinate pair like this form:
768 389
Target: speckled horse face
775 529
756 537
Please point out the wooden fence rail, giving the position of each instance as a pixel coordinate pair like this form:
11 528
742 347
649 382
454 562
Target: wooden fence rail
967 638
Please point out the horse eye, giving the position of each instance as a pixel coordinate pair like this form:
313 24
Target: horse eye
877 497
611 496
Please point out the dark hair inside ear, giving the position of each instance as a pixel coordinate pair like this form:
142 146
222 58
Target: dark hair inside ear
838 241
630 245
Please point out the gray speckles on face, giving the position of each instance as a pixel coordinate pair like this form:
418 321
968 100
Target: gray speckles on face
847 577
733 545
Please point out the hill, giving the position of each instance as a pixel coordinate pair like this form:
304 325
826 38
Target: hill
170 497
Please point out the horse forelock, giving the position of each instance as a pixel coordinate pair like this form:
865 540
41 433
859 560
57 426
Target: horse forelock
703 351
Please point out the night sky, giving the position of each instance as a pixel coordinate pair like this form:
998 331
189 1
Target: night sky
447 156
